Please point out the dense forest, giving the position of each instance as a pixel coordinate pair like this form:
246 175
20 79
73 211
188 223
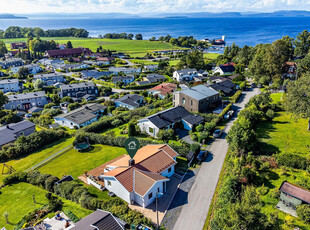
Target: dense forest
24 32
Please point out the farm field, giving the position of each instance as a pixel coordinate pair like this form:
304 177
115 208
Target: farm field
75 163
136 48
32 159
17 201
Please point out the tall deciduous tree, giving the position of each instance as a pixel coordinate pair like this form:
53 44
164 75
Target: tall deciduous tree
3 99
302 43
297 99
69 45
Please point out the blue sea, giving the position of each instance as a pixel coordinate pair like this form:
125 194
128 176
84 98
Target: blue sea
241 30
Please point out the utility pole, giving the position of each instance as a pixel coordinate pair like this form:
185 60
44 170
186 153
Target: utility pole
157 211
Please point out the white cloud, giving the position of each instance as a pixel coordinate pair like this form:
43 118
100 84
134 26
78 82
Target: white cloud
145 6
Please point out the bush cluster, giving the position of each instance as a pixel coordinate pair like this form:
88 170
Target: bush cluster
236 96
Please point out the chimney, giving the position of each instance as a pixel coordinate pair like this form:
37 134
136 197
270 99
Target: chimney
131 162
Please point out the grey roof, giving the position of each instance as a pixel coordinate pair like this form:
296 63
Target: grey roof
199 92
172 115
123 78
65 178
226 86
8 132
186 71
94 73
23 96
143 82
47 75
77 85
151 66
130 99
123 69
9 81
99 219
35 109
31 65
227 68
83 114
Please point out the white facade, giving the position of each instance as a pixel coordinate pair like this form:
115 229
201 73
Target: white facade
185 75
113 185
32 68
146 126
9 85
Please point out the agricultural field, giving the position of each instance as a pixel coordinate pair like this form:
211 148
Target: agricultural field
210 56
135 48
29 161
75 163
17 201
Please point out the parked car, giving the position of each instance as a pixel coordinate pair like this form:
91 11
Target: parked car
202 155
226 117
217 133
231 112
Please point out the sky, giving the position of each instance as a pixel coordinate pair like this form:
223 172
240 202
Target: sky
149 6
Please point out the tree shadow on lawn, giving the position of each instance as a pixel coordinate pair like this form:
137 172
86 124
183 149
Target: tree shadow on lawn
271 176
92 149
266 149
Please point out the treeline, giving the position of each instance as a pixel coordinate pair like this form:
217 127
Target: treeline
121 36
23 32
27 144
74 191
182 41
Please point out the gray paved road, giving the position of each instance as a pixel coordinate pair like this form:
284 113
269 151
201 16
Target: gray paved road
193 214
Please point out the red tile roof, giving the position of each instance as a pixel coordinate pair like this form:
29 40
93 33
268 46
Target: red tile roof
165 88
295 191
67 52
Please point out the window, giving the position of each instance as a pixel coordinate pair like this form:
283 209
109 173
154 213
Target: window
151 130
109 183
169 170
158 190
183 101
21 133
191 102
150 195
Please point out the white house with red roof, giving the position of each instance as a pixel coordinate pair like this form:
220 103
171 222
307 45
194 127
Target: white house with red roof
137 180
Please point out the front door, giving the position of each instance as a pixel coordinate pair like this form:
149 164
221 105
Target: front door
27 106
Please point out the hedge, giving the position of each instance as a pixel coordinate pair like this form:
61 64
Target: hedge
242 86
293 161
27 144
143 86
81 69
71 216
225 110
236 96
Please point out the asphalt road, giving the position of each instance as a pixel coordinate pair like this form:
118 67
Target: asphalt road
194 213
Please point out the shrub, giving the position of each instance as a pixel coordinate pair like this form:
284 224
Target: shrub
303 212
236 96
15 178
116 122
50 182
203 136
165 134
225 110
293 160
209 126
270 114
71 216
200 128
242 86
195 147
131 129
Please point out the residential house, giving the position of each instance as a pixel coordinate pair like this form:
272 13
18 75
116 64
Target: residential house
50 78
163 90
11 62
82 116
202 73
289 70
150 68
143 82
10 85
25 101
224 86
118 55
168 119
226 69
48 62
69 67
64 179
67 52
117 70
35 110
129 101
1 74
99 220
78 90
126 79
197 99
18 45
96 63
153 78
185 75
291 197
62 46
87 74
140 179
32 68
9 133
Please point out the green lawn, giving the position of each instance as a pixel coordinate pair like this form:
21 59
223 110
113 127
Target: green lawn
143 62
17 201
27 162
133 47
276 97
174 62
75 163
210 55
285 134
